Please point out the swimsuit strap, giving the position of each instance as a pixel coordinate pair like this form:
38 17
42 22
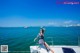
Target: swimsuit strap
41 37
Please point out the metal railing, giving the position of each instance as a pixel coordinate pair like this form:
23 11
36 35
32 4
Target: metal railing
79 41
51 40
52 43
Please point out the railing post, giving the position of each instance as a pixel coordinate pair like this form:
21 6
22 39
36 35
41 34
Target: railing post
79 41
51 40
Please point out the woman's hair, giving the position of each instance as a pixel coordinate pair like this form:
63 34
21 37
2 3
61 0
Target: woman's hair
42 30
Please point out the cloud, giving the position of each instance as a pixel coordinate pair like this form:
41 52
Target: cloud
78 24
68 22
51 23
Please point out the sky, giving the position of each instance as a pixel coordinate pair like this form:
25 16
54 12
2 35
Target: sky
18 13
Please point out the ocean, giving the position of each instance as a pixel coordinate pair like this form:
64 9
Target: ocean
20 38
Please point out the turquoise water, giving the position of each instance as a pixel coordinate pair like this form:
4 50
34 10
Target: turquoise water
20 38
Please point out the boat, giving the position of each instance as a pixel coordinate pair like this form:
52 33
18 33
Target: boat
56 48
25 26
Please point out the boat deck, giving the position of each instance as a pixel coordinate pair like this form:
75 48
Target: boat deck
56 49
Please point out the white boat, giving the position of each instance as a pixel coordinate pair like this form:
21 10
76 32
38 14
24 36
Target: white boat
56 49
25 27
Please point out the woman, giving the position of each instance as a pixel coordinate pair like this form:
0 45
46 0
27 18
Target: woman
40 36
41 40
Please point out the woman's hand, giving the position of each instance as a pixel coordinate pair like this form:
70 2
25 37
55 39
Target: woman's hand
34 39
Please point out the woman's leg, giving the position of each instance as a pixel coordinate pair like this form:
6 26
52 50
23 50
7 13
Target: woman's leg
47 46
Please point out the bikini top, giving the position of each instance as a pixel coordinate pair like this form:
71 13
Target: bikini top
41 36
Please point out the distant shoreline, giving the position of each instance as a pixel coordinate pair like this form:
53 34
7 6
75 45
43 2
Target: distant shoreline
39 26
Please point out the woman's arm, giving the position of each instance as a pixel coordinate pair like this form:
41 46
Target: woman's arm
36 38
